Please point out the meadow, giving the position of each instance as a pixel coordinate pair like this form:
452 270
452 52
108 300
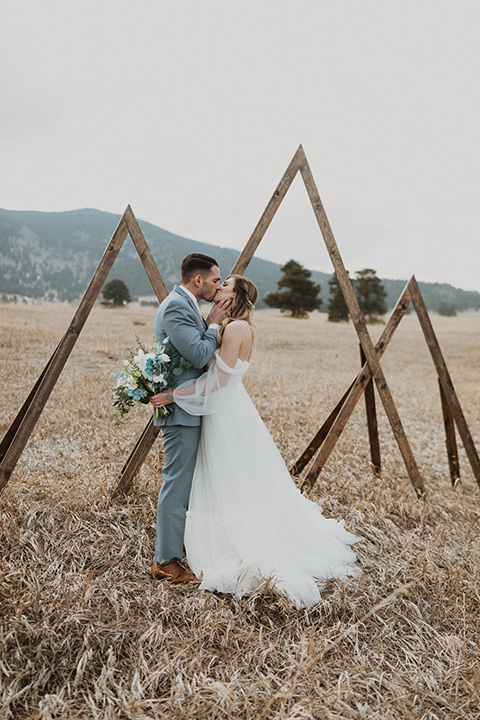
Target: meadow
86 633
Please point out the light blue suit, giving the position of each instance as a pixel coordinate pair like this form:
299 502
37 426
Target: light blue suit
178 319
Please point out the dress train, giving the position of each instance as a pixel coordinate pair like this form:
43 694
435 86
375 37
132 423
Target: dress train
247 522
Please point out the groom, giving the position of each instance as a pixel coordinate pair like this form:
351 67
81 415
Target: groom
179 319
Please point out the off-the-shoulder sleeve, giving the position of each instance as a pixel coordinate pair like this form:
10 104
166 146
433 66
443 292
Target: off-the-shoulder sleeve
204 395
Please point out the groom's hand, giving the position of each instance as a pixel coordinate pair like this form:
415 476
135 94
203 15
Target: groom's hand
218 312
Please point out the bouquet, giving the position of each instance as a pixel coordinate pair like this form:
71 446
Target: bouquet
146 373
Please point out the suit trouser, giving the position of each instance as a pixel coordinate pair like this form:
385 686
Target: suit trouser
180 445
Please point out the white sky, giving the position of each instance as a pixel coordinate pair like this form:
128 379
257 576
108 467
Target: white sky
191 110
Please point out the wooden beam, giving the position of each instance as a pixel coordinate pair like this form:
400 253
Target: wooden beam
318 439
11 432
136 459
268 215
450 439
145 255
55 366
358 320
445 379
372 422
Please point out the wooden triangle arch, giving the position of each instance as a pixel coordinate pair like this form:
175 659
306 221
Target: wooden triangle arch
22 427
325 439
17 436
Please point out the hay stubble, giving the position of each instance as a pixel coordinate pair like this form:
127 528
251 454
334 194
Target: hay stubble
86 633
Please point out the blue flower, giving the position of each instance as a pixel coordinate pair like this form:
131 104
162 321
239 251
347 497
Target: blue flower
136 394
150 366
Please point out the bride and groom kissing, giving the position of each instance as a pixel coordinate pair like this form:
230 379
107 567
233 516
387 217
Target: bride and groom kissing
227 496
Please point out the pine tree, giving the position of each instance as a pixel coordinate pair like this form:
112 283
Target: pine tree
115 294
337 307
370 294
300 295
447 309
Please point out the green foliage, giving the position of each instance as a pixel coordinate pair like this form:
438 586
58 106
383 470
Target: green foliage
447 309
115 294
370 294
337 307
300 295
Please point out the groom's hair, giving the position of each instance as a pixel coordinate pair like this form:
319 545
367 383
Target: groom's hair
196 264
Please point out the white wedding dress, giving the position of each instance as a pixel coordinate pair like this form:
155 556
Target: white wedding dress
247 523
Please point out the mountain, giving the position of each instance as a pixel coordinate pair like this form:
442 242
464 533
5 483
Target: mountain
53 255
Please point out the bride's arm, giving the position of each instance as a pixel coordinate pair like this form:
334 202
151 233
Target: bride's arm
235 334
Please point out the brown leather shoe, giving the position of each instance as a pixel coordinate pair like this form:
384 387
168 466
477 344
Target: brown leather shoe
173 572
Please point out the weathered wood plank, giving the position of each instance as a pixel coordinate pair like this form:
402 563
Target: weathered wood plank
361 329
445 379
136 459
145 255
318 439
372 422
268 215
450 439
11 432
59 358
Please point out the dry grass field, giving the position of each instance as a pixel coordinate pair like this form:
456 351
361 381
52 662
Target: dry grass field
86 633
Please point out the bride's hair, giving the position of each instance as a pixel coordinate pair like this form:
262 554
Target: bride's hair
243 304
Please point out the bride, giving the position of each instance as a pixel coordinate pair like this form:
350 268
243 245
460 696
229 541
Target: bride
247 523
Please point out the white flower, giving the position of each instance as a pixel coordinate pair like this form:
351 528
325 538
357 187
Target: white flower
131 383
140 359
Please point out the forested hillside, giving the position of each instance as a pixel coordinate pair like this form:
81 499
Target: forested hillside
53 255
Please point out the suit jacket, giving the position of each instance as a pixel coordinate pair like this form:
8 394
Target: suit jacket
178 319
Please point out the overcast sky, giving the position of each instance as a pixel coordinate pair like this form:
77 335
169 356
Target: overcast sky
191 110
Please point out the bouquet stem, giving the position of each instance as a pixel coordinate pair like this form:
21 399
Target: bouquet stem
162 412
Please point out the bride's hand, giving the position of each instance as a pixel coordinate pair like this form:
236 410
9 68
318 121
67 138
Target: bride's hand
162 399
218 312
